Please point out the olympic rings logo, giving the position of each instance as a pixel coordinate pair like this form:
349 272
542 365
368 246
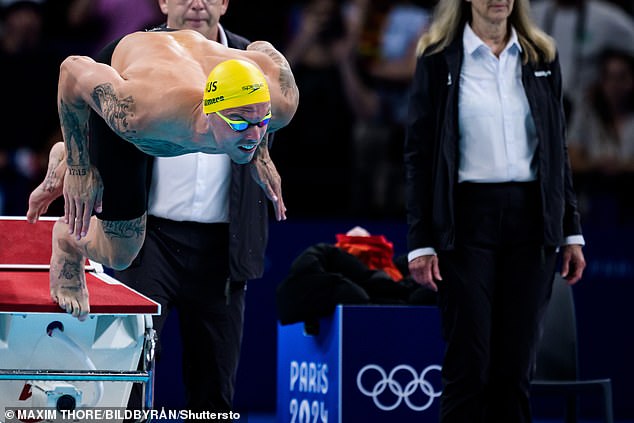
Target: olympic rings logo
402 394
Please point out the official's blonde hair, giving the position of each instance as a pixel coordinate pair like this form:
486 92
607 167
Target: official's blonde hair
451 15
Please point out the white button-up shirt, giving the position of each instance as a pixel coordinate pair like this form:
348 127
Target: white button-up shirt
497 133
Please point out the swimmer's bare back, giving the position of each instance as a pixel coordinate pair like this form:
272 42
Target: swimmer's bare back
167 96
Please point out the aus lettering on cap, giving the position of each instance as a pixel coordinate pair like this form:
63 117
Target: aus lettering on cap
211 86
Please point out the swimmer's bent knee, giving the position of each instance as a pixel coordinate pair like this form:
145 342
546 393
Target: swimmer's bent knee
122 252
122 258
123 241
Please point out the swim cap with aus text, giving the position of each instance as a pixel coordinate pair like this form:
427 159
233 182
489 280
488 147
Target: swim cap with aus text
234 83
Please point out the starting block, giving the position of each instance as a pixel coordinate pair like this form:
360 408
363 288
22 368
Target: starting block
49 358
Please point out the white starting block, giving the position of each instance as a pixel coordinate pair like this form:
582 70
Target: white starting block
49 358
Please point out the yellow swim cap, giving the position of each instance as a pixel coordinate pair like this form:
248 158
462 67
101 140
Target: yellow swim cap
234 83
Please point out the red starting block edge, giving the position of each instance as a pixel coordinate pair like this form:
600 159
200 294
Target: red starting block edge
27 291
28 246
25 251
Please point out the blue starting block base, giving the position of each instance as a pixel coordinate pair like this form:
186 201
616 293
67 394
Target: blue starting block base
370 364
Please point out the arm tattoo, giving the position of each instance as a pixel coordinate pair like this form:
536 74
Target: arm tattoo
287 82
77 172
124 228
115 111
286 79
75 136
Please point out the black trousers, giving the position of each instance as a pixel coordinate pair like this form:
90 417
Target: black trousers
185 265
495 288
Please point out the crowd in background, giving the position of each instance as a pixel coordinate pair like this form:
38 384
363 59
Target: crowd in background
341 156
35 36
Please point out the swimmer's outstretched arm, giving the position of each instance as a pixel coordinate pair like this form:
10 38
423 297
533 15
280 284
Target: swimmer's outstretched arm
282 85
265 173
80 82
284 100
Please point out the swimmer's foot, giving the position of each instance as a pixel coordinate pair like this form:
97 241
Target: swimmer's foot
66 275
52 186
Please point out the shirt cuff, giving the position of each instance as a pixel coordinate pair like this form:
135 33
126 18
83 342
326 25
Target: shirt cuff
429 251
574 240
569 240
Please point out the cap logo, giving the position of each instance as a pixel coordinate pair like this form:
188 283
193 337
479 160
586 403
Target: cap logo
252 87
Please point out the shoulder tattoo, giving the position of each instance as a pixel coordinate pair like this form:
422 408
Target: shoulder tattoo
115 111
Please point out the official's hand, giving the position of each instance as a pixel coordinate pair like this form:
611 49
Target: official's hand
573 263
425 271
83 191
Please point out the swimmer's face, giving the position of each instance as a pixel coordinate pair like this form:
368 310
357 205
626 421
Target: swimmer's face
238 131
199 15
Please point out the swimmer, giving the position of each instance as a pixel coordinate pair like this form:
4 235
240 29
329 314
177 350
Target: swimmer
217 100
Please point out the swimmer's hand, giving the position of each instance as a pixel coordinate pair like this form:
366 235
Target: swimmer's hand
265 174
83 191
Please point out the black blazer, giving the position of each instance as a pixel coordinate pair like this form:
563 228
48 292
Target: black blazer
431 149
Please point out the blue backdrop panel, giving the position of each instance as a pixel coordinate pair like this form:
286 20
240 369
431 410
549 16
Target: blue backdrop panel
347 372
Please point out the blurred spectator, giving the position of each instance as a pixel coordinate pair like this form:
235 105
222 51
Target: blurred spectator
601 137
85 26
113 18
313 151
5 3
582 29
29 71
376 65
353 61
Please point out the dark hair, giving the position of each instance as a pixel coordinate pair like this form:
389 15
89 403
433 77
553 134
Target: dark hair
597 98
615 53
19 5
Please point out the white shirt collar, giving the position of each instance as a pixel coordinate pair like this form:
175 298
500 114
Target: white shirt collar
472 42
222 37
